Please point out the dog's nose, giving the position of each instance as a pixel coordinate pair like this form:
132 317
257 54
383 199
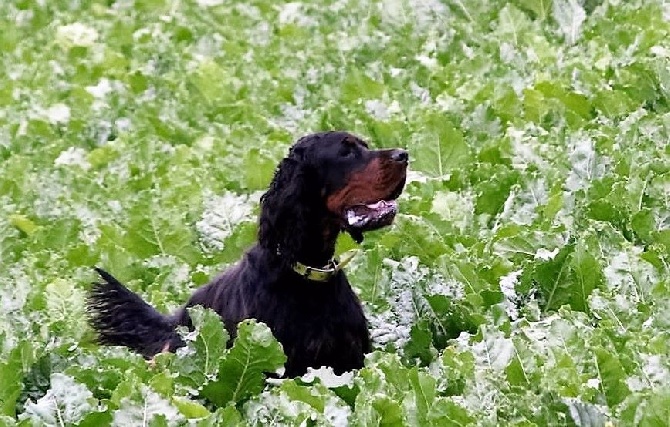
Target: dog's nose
400 155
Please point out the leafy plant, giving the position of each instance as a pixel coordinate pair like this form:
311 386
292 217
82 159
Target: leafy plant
524 281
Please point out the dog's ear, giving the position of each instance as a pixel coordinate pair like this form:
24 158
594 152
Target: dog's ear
285 208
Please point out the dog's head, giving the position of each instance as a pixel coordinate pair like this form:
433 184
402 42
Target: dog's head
335 178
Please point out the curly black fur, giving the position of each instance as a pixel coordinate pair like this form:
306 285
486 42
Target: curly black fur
318 324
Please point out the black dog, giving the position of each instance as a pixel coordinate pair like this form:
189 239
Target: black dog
329 182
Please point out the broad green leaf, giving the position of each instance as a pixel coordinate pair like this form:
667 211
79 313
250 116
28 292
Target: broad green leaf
568 278
418 404
569 16
189 408
258 170
23 223
141 405
512 23
66 402
213 82
200 363
228 416
587 275
12 371
441 149
613 377
540 8
242 370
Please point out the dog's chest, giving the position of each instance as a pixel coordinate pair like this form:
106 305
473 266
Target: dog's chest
318 328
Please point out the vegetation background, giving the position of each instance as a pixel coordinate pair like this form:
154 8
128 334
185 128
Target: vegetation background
524 283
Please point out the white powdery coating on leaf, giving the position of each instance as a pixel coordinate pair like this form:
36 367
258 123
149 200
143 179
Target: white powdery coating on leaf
76 35
494 352
222 214
66 402
491 357
292 117
336 413
14 290
209 3
454 207
526 149
593 383
179 272
655 369
291 13
380 110
267 408
57 114
261 335
626 272
507 287
277 408
100 90
143 412
394 325
587 165
424 13
89 233
545 254
408 281
416 176
73 156
524 203
328 378
570 16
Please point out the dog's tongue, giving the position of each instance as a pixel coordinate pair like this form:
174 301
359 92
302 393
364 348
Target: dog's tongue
372 216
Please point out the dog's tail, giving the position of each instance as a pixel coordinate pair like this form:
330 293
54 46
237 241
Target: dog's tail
121 317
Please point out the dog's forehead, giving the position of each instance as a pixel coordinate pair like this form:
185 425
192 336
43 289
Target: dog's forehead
324 139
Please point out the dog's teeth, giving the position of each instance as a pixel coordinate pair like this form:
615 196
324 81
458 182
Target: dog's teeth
352 218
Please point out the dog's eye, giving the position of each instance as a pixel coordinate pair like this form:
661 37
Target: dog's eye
347 150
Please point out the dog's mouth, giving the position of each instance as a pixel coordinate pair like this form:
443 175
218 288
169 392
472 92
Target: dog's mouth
374 215
371 216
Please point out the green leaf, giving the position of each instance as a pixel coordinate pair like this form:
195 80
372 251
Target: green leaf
447 412
65 304
22 223
242 370
189 408
12 371
570 16
512 22
587 275
644 224
540 8
228 416
568 278
420 344
440 149
66 402
213 82
613 377
258 170
201 363
418 405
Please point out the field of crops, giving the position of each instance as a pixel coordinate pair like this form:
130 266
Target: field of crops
524 283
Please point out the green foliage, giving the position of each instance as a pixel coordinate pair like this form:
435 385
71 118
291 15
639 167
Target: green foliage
241 372
524 281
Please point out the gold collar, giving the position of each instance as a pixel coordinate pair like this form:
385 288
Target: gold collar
324 273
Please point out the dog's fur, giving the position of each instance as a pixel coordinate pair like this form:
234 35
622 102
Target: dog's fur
302 213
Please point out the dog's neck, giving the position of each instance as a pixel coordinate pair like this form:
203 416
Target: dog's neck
317 248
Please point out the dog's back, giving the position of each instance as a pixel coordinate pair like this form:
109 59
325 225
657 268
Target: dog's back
318 324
